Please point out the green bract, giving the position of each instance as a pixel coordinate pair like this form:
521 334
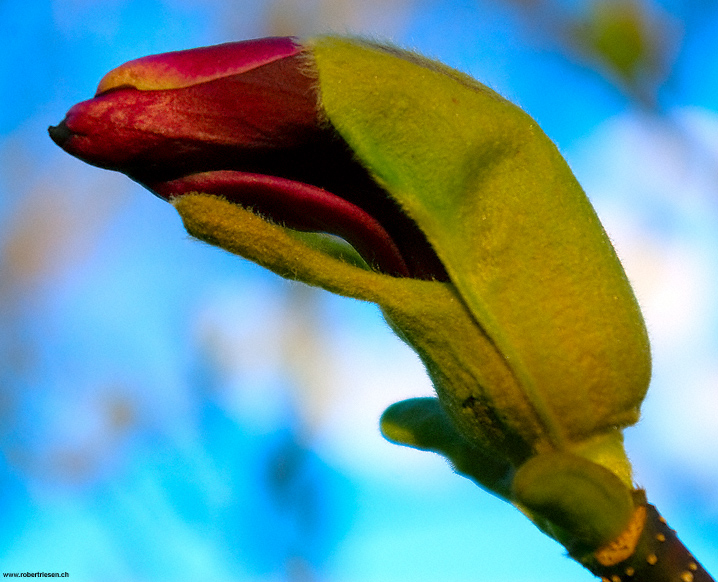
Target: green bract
528 326
516 234
536 345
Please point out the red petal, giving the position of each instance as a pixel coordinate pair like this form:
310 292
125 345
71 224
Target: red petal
298 206
154 134
189 67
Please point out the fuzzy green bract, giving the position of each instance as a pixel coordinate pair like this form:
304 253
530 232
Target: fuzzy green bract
536 345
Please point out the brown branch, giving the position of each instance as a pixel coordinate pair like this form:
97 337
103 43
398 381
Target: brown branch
659 556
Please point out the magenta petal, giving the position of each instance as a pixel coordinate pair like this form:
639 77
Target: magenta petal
299 206
185 68
152 134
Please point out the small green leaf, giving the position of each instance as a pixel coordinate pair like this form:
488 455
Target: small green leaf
421 423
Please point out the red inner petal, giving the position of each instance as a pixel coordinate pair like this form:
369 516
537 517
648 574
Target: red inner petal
185 68
299 206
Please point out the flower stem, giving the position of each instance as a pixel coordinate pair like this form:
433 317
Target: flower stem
659 556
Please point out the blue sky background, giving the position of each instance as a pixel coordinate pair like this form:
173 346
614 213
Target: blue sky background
170 412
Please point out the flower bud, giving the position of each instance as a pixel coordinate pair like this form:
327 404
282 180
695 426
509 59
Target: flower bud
461 220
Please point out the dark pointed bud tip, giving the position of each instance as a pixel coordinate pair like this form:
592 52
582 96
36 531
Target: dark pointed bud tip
59 133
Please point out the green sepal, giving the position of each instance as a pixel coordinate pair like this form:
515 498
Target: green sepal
422 423
514 230
536 343
582 504
308 257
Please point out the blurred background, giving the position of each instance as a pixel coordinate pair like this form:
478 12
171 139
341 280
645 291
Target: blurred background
171 412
